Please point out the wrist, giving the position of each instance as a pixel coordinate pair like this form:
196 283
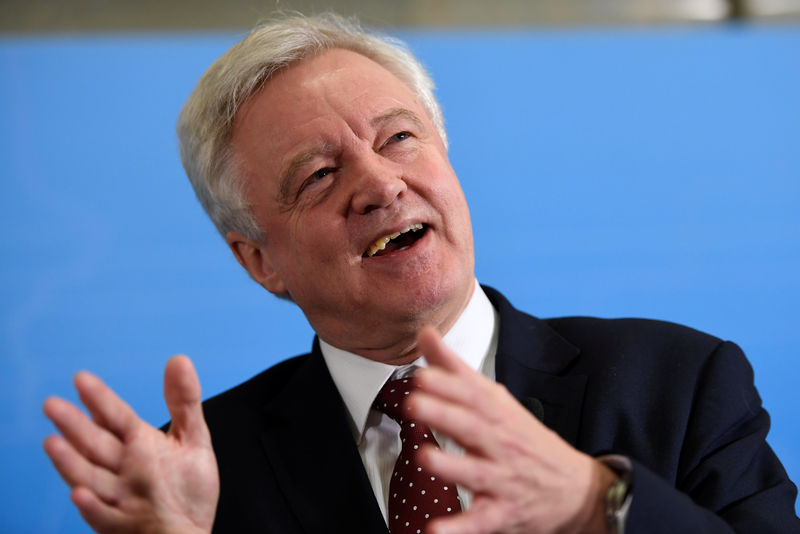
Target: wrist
606 484
591 515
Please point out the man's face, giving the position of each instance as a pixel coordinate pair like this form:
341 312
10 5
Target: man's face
338 155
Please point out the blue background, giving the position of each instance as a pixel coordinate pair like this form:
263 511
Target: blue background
637 172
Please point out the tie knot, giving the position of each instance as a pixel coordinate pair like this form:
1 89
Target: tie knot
391 396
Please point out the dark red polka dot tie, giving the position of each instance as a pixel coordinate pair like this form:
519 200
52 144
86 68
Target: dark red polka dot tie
415 495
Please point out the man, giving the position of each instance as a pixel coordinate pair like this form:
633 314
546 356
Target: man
320 154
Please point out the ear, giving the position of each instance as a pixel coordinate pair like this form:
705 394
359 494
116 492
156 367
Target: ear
253 256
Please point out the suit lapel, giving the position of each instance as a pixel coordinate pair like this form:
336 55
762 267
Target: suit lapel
533 363
315 460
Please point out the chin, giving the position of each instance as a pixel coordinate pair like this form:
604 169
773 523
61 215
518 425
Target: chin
432 301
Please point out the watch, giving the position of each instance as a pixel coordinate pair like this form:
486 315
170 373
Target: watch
617 501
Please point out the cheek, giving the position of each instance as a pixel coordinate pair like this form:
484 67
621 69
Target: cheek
317 241
450 200
448 196
446 187
286 246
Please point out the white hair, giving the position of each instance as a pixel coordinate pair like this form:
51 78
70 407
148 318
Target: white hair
205 122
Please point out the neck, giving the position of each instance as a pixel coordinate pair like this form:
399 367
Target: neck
399 346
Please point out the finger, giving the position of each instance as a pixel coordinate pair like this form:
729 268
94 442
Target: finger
183 396
467 428
474 392
100 516
77 470
107 409
476 474
95 443
437 353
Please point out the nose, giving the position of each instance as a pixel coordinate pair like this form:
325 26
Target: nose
379 182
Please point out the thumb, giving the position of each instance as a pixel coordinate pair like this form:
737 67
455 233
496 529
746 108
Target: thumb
182 393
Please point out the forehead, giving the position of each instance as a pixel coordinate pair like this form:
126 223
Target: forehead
312 96
334 82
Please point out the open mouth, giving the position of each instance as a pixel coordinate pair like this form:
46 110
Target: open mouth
397 241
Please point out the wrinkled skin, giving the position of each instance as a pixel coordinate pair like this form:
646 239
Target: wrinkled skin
337 152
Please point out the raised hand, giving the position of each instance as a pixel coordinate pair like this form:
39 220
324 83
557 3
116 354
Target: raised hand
523 476
127 476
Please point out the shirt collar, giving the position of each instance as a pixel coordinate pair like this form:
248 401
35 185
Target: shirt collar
473 337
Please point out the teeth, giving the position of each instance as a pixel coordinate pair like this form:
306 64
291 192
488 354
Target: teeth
381 242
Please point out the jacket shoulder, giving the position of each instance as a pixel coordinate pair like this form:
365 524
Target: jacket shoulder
253 393
629 336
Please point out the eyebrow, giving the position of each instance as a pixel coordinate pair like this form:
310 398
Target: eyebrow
397 113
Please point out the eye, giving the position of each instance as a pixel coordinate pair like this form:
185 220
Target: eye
400 136
316 177
322 173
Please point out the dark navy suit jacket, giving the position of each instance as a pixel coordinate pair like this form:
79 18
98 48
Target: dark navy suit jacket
679 403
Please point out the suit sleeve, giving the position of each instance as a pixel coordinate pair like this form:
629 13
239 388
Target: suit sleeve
728 478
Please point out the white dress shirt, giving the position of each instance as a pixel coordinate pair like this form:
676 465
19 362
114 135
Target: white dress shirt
473 337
